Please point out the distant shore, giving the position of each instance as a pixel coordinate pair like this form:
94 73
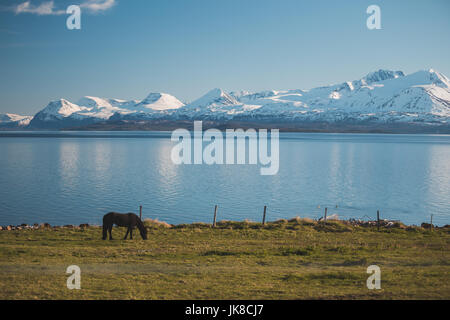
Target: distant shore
283 126
383 223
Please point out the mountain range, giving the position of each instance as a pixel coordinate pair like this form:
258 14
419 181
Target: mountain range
380 97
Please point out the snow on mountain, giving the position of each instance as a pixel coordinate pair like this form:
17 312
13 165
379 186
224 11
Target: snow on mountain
104 108
216 105
62 113
60 109
155 105
215 97
12 120
380 96
158 102
382 75
384 95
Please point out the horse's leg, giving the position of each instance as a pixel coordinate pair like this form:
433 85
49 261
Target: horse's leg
110 231
131 233
126 235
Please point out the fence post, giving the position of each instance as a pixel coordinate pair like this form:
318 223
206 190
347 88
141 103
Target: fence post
431 223
264 215
325 218
378 220
140 212
215 215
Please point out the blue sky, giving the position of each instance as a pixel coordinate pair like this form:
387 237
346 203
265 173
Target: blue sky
129 48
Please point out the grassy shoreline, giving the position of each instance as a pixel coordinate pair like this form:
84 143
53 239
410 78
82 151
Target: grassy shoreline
295 259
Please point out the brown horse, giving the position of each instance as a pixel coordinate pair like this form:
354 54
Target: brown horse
129 220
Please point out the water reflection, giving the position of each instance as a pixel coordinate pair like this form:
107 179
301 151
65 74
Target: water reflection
438 183
102 157
69 156
335 176
78 179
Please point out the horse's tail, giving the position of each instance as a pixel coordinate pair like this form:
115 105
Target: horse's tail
105 229
106 224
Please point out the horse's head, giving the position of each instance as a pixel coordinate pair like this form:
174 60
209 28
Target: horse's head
143 232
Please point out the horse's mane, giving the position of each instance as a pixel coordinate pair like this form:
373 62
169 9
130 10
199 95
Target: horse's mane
139 222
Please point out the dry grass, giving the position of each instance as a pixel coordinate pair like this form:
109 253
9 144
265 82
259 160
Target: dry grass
156 223
295 259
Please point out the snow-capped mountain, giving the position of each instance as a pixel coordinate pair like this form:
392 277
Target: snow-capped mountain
158 102
383 96
215 97
62 113
216 104
10 120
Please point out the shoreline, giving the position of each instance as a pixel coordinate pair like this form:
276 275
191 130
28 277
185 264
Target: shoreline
383 223
282 126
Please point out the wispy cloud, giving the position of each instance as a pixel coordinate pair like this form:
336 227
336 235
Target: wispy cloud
43 9
48 7
98 5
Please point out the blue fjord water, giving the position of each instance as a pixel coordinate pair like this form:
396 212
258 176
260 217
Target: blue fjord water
76 177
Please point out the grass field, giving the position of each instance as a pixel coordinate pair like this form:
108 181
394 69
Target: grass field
296 259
